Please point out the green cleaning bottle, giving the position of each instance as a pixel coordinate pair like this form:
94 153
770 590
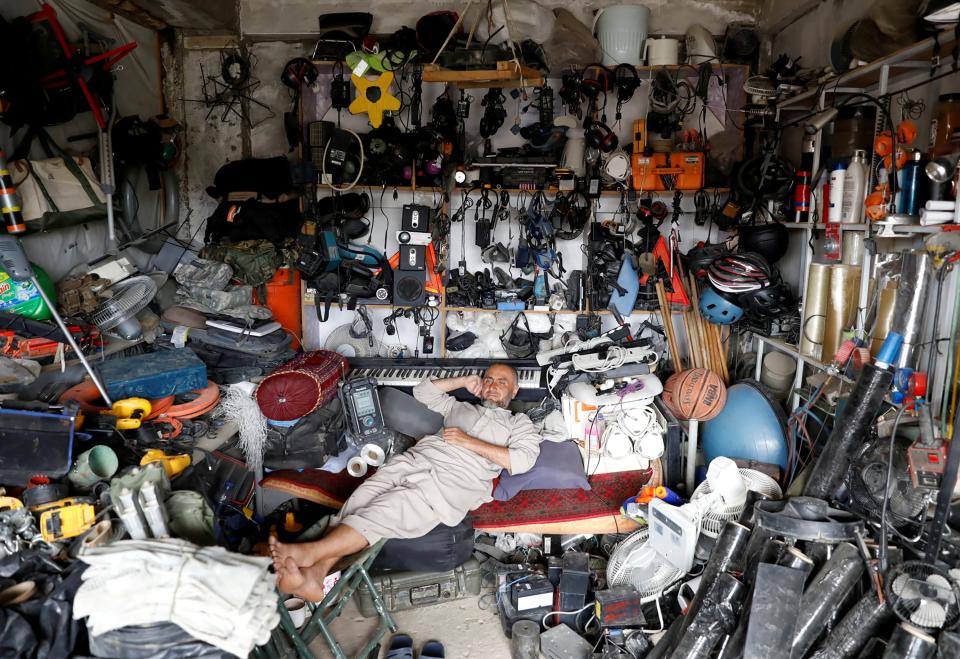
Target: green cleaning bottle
22 297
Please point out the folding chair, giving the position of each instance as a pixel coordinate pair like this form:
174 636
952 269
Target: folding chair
288 641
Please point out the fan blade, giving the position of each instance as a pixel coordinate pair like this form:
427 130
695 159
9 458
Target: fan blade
907 587
929 614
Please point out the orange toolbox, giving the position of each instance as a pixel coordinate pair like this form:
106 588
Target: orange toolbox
668 171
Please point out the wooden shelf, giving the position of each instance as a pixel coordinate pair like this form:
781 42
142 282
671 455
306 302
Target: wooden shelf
603 193
398 188
562 312
506 75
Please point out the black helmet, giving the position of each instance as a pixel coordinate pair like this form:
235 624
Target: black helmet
769 302
768 240
699 258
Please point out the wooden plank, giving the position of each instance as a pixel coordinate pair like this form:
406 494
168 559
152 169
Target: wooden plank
505 72
131 11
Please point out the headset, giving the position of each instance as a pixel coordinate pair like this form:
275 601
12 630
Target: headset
626 80
599 136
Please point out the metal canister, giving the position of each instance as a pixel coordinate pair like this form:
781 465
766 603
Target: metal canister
9 199
801 196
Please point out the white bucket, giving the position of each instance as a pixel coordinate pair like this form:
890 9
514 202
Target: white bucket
621 31
662 52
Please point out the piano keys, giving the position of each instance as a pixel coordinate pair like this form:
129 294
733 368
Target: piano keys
406 373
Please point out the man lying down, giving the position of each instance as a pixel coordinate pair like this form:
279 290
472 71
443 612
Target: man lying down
437 481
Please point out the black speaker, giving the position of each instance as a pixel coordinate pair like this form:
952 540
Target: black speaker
409 288
412 257
415 218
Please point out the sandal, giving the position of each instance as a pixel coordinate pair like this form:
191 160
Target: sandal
401 647
432 650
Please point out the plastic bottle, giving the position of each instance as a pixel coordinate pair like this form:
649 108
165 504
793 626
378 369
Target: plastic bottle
837 176
854 188
909 196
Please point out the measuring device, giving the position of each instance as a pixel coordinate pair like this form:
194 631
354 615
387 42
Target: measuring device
364 416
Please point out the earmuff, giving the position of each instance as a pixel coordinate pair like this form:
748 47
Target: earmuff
299 71
596 79
599 136
626 79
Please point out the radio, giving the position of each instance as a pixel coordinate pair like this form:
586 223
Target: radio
668 171
361 408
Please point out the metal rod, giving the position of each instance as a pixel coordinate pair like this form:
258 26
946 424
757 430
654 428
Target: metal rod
70 340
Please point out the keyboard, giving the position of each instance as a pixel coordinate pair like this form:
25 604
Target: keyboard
409 372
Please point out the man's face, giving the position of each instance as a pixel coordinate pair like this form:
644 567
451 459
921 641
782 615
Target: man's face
499 386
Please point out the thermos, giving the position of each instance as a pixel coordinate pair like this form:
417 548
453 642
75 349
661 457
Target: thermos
854 188
911 189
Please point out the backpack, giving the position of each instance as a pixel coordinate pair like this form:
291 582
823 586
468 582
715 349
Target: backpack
254 262
235 221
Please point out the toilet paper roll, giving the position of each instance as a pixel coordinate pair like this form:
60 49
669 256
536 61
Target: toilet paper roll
814 310
841 311
940 205
356 466
935 217
373 455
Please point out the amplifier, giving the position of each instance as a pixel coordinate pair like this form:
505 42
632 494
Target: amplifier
668 171
415 218
412 257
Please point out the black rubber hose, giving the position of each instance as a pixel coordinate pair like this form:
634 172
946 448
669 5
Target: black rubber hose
856 628
824 597
908 642
727 556
717 618
849 432
662 648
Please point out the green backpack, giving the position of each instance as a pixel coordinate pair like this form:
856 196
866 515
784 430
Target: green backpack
254 262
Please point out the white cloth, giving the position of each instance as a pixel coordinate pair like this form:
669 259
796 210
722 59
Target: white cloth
222 598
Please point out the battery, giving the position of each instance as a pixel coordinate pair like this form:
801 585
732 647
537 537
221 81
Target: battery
531 593
554 569
574 581
620 607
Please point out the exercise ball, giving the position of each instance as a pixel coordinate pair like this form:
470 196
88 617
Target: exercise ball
751 426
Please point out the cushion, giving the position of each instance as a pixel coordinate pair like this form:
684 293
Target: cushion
442 549
559 467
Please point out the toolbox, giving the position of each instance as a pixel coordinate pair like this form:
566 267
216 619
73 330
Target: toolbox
668 171
154 375
401 591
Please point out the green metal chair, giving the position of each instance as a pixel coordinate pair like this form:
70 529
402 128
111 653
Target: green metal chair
289 642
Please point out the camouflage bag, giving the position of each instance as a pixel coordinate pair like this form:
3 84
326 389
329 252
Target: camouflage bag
254 262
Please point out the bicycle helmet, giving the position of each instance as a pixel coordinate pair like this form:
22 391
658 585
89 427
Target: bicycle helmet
769 301
739 273
699 258
717 309
768 240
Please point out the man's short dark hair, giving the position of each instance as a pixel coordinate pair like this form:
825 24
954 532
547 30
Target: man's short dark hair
516 374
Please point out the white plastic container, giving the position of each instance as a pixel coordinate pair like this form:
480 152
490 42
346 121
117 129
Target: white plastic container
854 189
621 31
837 177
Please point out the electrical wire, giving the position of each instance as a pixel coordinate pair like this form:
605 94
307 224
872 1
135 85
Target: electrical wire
886 492
323 166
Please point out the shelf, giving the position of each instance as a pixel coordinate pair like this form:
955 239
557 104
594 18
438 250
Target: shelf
870 74
603 193
783 346
906 229
398 188
562 312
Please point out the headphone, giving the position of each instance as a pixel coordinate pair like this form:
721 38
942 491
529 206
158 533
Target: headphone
596 79
627 80
297 72
599 136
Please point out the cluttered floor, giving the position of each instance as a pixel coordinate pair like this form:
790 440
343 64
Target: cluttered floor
515 329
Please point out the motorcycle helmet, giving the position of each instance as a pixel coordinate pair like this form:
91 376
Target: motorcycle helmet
739 273
769 301
718 309
768 240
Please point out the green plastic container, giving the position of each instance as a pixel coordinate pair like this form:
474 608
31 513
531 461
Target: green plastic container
23 298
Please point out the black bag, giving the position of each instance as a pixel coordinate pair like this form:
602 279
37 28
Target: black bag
327 286
267 177
235 221
521 343
443 548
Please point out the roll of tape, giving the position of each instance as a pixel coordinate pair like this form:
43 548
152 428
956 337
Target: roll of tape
373 455
41 495
99 534
356 466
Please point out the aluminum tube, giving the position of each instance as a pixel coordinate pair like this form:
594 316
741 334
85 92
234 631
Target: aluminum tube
814 310
915 277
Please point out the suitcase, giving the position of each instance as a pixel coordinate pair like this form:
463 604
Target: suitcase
154 374
402 591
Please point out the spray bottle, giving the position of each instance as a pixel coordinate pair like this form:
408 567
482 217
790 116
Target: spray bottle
854 188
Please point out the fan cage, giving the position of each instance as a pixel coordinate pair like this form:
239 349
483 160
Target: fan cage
712 521
623 560
129 297
915 585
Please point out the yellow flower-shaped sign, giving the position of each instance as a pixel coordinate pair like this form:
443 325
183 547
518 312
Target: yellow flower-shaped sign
374 98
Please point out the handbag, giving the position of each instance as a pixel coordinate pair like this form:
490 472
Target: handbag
58 192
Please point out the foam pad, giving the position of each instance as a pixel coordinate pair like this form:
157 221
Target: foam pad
407 415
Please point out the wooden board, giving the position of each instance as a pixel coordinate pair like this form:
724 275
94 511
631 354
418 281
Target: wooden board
506 75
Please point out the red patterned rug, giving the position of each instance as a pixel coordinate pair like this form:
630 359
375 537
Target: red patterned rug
555 506
315 485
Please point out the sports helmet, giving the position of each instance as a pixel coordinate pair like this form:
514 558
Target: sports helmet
718 309
768 240
739 273
768 302
699 258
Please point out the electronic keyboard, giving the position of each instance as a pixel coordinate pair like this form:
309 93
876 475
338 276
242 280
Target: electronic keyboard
409 372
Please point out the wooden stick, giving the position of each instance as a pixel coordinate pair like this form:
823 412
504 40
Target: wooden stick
688 323
668 326
698 324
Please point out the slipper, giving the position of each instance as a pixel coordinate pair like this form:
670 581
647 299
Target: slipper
432 650
401 647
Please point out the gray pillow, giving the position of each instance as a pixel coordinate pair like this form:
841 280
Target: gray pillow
559 467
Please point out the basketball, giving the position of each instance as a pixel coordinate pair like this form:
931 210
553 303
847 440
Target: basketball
697 393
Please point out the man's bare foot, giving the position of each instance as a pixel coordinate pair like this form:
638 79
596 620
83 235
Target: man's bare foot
301 553
290 578
311 589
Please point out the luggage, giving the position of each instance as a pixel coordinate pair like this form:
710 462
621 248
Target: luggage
402 591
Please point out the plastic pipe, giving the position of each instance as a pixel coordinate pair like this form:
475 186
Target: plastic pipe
714 621
908 642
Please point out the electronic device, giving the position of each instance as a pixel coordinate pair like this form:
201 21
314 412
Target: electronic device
641 391
616 334
619 606
257 328
673 534
409 288
415 217
532 593
926 464
412 257
361 409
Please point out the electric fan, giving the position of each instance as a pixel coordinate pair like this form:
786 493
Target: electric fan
868 480
354 339
635 563
718 510
118 313
924 595
761 88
